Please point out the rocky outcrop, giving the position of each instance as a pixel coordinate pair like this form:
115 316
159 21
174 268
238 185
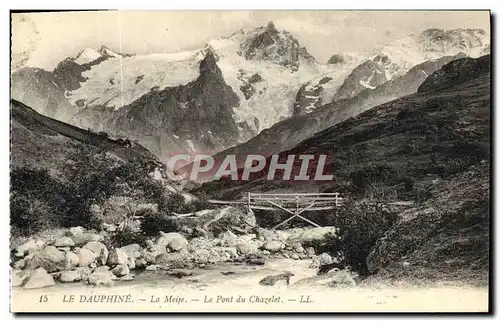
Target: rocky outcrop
289 133
39 278
41 90
369 74
118 256
200 112
50 258
281 48
70 276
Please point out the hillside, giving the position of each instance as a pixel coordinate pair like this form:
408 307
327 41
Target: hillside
59 173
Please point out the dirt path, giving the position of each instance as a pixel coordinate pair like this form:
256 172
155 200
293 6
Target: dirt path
211 290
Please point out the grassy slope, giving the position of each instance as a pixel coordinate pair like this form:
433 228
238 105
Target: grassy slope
445 238
58 171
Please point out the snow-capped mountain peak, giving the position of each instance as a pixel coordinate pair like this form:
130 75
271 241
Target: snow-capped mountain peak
107 52
87 55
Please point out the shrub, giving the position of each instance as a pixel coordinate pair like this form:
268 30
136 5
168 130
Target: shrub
36 200
360 225
153 223
126 237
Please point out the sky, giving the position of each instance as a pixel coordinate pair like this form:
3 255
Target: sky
44 39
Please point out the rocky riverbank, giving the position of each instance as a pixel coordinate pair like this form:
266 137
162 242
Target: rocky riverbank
75 254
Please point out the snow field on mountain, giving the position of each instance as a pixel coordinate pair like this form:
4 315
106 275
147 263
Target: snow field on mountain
119 81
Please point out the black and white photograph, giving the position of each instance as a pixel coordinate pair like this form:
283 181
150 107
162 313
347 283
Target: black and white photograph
250 161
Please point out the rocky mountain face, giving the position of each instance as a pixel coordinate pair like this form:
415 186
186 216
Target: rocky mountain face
288 133
276 79
268 44
370 74
396 59
39 88
48 92
199 113
389 61
98 88
426 135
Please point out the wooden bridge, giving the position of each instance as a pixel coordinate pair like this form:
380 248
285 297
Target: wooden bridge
293 203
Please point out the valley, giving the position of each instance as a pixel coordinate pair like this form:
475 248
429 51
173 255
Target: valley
402 134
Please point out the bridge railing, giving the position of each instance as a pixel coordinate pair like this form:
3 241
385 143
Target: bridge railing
314 201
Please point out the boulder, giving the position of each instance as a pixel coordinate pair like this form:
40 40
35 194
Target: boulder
101 269
311 235
161 245
20 264
152 207
39 278
178 243
117 256
247 248
85 257
101 278
266 234
255 261
342 278
282 235
232 252
153 267
76 231
72 260
28 247
320 260
228 239
99 249
295 256
84 272
132 250
272 280
50 258
121 270
85 238
272 246
131 263
177 260
310 252
174 241
150 256
64 242
17 278
179 273
70 276
140 263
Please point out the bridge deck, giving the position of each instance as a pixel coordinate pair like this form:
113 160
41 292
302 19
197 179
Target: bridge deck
292 203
